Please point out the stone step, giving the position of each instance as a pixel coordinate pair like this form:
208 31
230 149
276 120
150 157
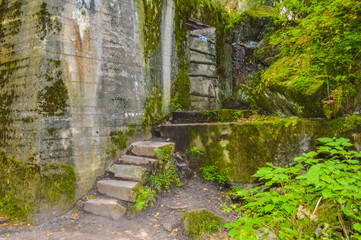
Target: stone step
123 190
146 148
139 161
109 208
129 172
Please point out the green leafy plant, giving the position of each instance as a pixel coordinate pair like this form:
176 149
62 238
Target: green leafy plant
145 196
195 150
316 197
166 175
212 173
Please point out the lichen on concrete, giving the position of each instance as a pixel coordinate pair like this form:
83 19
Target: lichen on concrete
46 22
53 99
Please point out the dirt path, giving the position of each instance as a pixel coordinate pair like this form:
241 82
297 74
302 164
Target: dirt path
162 221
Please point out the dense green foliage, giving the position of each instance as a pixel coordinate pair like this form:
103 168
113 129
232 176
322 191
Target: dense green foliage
317 197
212 173
319 67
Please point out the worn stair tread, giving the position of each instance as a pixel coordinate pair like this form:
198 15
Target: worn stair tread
146 148
120 189
129 172
109 208
140 161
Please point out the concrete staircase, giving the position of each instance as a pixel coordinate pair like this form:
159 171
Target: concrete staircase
129 174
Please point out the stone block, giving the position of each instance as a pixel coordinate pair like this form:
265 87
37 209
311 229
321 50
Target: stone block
123 190
129 172
146 148
109 208
139 161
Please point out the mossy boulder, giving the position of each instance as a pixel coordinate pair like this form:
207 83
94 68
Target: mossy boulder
199 222
252 25
266 53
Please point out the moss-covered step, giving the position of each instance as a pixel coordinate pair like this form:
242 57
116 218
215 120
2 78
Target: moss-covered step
109 208
239 149
224 115
146 148
123 190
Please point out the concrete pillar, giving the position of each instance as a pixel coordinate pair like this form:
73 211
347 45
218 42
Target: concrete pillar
167 45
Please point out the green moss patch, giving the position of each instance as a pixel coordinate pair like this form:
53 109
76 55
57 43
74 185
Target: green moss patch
26 187
153 109
120 139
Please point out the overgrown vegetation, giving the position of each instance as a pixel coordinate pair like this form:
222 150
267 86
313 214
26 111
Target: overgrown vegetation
318 68
316 197
145 196
212 173
162 178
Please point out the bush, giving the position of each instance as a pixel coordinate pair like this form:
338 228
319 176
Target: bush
317 197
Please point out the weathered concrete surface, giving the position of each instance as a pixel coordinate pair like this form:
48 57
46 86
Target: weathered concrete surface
109 208
123 190
99 47
204 80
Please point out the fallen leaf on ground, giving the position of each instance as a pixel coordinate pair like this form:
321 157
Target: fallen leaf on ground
48 234
156 225
174 232
75 216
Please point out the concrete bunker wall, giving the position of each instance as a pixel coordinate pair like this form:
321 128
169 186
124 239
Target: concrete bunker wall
71 73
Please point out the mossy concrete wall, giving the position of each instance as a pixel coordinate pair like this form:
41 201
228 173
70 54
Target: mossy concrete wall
245 146
74 73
